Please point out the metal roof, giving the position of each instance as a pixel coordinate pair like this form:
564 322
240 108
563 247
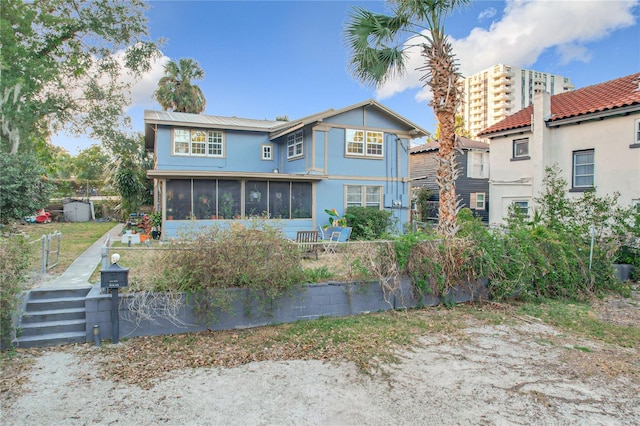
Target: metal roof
213 121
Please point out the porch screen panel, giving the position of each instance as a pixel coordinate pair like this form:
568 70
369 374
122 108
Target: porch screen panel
255 198
204 199
300 200
178 199
279 200
229 199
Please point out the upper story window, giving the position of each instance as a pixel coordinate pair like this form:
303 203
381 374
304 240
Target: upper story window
521 149
583 169
294 145
267 152
636 135
198 143
478 165
363 143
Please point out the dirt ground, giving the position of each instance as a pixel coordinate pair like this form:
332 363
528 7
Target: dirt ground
525 373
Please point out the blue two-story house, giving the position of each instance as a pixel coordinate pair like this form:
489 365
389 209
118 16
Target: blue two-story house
213 169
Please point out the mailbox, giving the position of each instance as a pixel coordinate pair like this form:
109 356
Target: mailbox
114 276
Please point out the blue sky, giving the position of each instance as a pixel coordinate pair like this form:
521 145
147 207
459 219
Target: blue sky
268 58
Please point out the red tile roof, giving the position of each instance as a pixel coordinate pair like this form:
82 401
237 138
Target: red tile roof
621 92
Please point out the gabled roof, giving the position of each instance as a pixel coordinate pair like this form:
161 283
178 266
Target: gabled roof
290 126
599 98
464 143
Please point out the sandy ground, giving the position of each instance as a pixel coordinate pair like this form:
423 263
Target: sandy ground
527 373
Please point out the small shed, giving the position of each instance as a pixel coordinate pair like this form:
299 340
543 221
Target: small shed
78 210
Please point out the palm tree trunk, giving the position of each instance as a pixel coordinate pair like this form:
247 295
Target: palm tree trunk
446 97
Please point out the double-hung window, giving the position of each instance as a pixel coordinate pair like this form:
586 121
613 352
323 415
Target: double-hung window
364 196
583 170
478 165
364 143
215 144
521 149
636 136
181 141
477 201
521 207
294 145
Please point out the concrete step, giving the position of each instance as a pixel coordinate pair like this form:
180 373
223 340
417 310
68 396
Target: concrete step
57 293
50 339
53 315
52 327
38 305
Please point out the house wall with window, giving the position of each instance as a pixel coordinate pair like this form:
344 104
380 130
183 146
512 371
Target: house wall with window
222 169
595 149
472 185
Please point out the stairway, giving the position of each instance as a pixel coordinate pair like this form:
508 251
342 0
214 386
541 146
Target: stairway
53 316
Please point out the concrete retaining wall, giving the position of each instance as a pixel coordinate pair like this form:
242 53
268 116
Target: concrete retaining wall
305 302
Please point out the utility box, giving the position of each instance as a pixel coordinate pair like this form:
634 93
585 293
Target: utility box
114 276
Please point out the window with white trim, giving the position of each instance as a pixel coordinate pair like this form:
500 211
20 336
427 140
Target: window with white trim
181 141
478 164
521 148
267 152
363 143
583 169
636 140
522 207
294 145
198 142
477 201
364 196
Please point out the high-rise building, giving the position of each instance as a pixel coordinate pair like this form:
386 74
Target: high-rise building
497 92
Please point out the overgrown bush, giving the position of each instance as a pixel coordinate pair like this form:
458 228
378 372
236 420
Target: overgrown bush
211 260
549 254
14 263
369 224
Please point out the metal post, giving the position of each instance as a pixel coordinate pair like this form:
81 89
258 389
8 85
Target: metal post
96 335
115 320
593 233
44 253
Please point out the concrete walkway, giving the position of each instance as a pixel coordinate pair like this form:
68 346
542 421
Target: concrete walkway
80 271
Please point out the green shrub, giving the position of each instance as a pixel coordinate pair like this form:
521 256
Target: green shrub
14 263
368 223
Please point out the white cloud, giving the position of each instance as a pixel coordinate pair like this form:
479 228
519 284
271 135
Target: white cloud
143 87
526 30
487 14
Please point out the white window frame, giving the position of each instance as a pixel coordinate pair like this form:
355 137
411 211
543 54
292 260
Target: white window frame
266 151
295 145
215 143
516 143
198 142
475 203
354 142
362 143
483 163
636 139
574 171
368 196
522 205
181 142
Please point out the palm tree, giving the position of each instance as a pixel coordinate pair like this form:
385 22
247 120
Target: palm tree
378 53
175 91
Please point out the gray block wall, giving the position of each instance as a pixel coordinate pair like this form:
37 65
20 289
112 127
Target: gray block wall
304 302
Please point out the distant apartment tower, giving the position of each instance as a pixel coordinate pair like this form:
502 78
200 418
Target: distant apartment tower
499 91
